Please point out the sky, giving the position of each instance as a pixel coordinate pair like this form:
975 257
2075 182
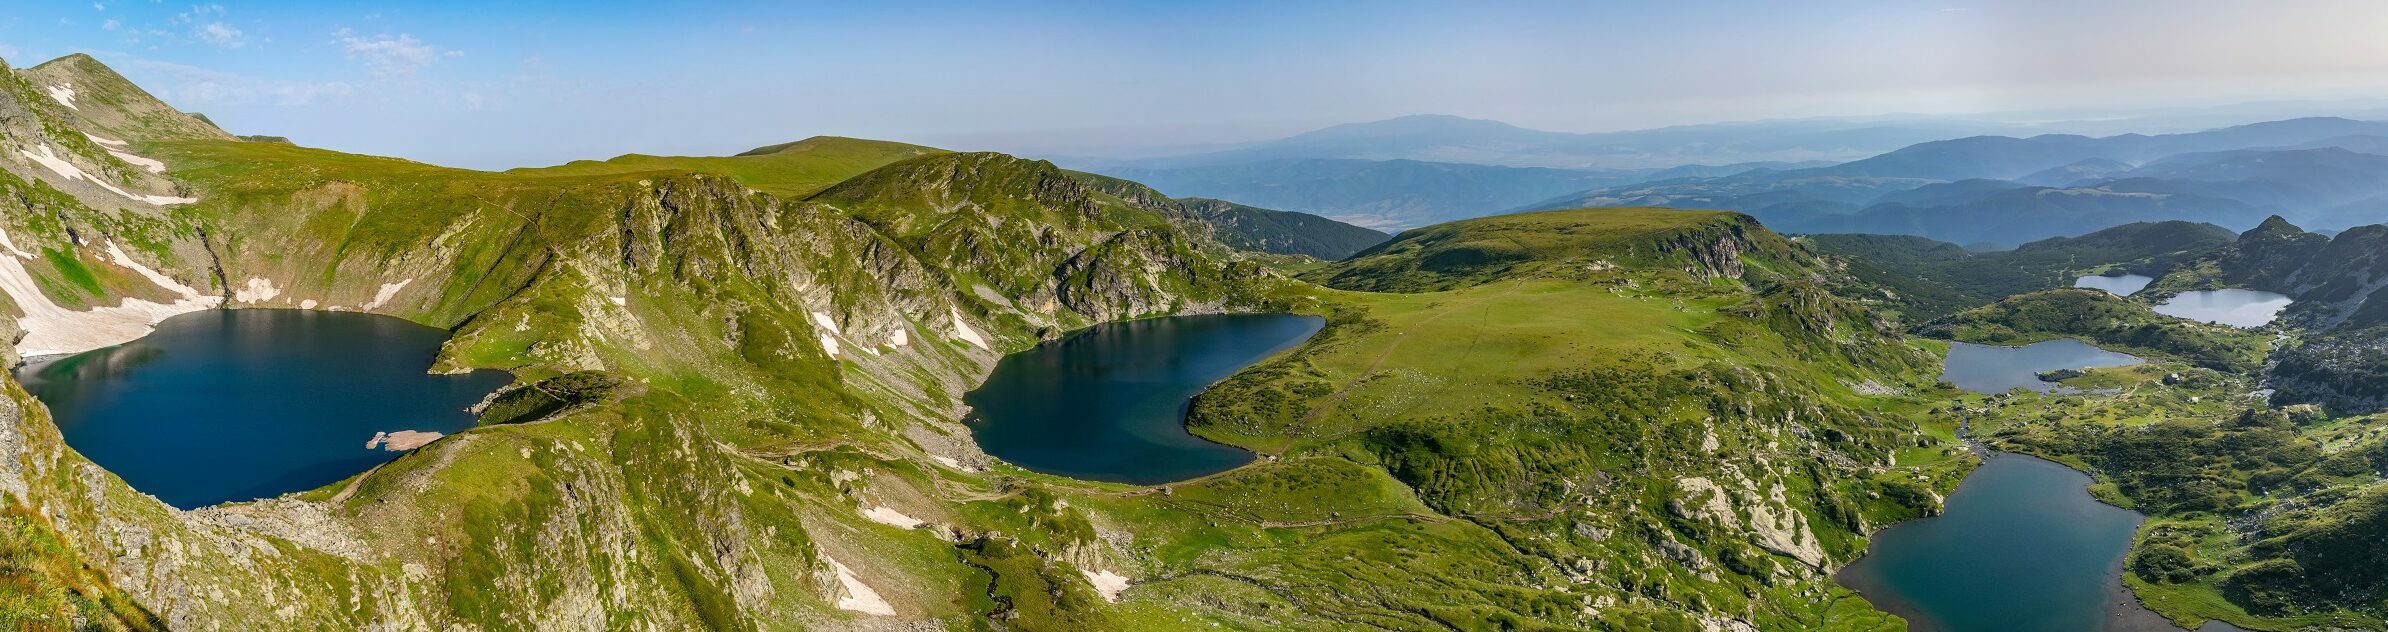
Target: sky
475 85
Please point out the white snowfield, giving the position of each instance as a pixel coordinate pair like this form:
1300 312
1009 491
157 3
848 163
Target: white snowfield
52 330
388 291
886 515
859 597
65 96
49 158
963 331
1108 583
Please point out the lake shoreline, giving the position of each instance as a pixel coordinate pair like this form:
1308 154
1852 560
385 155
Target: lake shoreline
2120 609
1110 403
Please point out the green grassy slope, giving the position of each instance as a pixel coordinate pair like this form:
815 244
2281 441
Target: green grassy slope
1477 251
1583 415
1637 419
791 170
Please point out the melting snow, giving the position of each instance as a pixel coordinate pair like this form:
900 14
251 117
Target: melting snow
859 597
1108 583
829 344
146 164
65 96
258 290
963 331
104 140
48 158
387 291
886 515
823 319
51 329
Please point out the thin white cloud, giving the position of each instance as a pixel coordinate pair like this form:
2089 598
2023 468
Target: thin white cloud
194 87
391 56
200 12
220 35
110 25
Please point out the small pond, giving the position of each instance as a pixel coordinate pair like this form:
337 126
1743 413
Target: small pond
2234 307
2123 285
1109 403
1995 369
229 405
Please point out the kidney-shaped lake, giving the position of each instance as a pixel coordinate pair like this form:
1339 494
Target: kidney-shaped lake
228 405
1109 403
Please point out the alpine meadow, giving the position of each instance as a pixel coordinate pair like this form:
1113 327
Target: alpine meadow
1182 316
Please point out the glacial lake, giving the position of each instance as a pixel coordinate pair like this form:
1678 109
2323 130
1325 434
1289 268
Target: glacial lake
229 405
1995 369
2022 548
2234 307
1109 403
2123 285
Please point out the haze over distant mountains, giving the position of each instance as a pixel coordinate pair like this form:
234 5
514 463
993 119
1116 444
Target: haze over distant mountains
1988 182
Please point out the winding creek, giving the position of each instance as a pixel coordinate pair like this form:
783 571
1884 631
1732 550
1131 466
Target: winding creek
1109 403
228 405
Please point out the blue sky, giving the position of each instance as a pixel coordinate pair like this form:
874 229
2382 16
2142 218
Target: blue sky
482 86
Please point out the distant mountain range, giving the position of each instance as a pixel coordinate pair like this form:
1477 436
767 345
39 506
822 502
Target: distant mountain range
2006 190
1945 179
1442 138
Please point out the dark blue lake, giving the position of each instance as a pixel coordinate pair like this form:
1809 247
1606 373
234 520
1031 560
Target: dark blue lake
1109 403
228 405
2022 548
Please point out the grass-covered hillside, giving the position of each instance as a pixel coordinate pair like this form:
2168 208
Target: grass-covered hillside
1706 244
739 378
1921 279
1263 230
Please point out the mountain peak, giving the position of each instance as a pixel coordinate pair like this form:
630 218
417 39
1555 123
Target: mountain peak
112 105
830 144
2275 224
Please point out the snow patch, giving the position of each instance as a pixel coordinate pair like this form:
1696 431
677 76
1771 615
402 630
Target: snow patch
829 344
307 304
12 247
900 339
54 330
387 292
858 596
886 515
48 158
257 290
105 140
963 331
619 301
1108 583
146 164
823 319
65 94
